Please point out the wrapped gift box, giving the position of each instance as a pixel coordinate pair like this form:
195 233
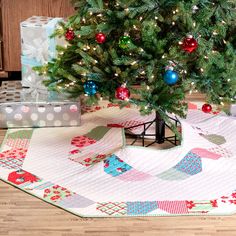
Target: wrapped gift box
16 114
233 110
37 49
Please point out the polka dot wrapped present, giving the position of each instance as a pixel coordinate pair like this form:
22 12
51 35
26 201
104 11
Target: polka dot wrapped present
42 114
15 113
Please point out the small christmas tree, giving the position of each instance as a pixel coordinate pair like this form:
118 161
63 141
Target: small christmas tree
167 47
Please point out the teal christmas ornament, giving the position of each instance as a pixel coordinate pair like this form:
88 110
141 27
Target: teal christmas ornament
90 88
171 77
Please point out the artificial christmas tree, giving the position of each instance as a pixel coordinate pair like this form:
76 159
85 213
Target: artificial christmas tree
167 47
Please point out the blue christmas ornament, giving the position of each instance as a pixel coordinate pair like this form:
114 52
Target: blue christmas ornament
90 88
171 77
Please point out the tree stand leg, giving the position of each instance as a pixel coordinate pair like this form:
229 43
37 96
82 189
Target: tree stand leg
159 135
160 129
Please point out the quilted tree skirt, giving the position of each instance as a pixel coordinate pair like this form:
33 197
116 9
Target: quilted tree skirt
91 172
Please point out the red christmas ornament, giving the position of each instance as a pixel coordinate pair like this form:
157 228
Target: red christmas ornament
70 35
101 38
122 93
189 44
207 108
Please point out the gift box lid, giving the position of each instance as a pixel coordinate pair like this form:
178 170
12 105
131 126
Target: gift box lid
40 21
13 92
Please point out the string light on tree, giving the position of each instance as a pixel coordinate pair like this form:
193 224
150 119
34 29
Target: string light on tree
195 9
126 10
59 27
134 62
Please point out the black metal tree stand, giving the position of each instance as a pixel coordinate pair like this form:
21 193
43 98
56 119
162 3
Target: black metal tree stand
160 132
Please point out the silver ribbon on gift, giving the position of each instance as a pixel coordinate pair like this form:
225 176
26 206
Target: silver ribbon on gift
38 50
34 89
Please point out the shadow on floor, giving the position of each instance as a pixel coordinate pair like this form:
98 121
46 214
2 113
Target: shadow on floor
16 75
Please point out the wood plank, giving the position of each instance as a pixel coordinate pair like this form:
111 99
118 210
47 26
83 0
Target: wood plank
196 96
15 11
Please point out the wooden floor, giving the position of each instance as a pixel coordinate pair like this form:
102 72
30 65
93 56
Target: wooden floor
25 215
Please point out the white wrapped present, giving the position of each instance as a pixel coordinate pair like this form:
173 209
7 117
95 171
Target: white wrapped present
38 48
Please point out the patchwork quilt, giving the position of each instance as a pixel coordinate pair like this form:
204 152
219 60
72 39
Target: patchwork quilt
91 172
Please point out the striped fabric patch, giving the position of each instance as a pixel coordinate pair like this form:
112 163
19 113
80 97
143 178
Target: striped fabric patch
18 143
173 207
